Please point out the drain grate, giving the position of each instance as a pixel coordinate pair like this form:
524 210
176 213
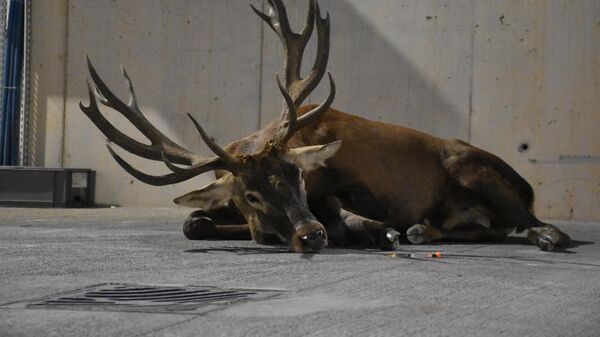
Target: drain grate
126 297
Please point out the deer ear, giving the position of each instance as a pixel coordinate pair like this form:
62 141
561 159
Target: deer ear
310 157
214 195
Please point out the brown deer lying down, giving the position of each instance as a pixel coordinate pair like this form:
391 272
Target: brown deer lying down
274 187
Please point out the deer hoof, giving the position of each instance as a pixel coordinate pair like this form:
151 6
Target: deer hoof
545 242
389 239
198 228
548 237
418 234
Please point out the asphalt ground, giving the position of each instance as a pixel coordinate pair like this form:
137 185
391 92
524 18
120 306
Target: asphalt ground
506 289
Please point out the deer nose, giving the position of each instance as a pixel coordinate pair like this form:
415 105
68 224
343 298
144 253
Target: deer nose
318 235
309 238
313 242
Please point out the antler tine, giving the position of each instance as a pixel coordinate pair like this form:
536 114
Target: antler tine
161 149
293 123
167 179
297 88
112 133
288 125
132 98
308 84
315 113
194 170
293 43
134 115
224 155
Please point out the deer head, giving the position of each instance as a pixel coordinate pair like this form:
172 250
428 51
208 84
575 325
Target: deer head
267 185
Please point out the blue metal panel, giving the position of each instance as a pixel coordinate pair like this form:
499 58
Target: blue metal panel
11 85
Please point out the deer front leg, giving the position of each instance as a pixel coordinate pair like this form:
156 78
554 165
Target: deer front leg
345 228
223 223
327 211
463 221
372 231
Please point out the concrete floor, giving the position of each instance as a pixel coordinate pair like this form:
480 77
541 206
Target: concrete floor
508 289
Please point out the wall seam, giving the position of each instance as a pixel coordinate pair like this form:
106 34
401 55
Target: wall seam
472 67
65 88
260 67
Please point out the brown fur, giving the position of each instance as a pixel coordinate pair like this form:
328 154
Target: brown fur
407 179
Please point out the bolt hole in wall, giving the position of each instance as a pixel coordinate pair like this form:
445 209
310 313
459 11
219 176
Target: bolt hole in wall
523 147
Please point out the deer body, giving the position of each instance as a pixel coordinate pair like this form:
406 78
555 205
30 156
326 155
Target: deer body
397 177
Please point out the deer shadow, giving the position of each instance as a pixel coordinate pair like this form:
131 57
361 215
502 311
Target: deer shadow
364 249
514 240
240 250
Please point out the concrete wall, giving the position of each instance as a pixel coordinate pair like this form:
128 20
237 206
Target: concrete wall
201 57
500 74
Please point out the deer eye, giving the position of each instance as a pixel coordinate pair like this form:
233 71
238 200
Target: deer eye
252 198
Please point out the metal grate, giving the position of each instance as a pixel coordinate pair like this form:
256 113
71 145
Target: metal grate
125 297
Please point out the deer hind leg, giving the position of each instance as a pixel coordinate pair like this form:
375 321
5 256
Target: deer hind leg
547 237
223 223
468 225
462 218
497 193
424 233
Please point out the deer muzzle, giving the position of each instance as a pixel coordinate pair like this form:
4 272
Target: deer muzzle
309 237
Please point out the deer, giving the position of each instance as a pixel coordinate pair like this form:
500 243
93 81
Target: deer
317 176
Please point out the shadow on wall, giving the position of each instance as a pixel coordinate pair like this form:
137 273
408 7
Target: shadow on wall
404 62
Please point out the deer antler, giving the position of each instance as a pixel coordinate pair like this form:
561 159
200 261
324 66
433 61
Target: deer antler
296 89
161 147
